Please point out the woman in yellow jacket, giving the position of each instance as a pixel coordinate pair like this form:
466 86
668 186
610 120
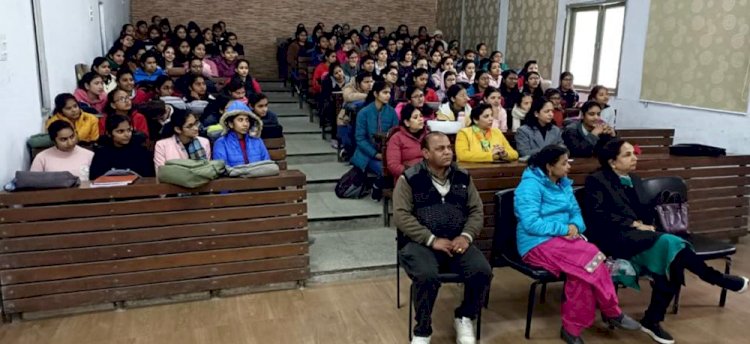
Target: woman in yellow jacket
480 142
66 109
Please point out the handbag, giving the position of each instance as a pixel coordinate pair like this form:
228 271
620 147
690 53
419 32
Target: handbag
190 173
672 213
33 180
262 168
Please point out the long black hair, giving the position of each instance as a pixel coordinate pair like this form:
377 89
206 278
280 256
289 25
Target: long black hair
378 87
548 155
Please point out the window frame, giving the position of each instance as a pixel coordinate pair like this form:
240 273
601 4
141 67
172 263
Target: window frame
569 38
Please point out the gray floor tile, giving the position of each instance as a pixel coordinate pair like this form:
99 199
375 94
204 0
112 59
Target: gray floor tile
322 172
325 205
356 249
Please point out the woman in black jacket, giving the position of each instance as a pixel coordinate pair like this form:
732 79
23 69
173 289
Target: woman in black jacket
121 150
622 226
583 137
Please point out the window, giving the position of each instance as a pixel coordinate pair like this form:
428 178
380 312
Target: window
593 43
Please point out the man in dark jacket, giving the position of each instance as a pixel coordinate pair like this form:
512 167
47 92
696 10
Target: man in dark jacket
438 208
583 137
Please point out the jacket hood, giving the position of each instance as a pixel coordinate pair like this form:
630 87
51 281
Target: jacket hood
536 174
256 125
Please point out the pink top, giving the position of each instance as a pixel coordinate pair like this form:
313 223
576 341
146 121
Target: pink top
82 97
169 149
76 162
501 120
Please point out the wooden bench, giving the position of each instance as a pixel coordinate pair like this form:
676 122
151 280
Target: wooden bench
277 150
651 141
85 246
718 189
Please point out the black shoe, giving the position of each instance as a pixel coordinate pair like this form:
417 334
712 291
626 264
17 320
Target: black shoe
569 338
735 283
623 321
657 333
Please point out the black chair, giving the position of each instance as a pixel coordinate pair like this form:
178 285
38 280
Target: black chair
705 247
443 277
505 252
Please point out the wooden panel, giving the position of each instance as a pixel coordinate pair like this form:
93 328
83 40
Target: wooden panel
91 239
718 192
719 203
277 154
628 133
735 222
696 173
90 254
274 143
712 214
717 182
651 141
47 273
654 150
152 276
149 205
152 290
148 220
282 164
147 187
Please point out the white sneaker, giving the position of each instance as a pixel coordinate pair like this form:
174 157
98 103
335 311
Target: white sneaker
420 340
464 331
744 287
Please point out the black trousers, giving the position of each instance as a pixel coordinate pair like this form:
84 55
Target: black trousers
423 264
664 290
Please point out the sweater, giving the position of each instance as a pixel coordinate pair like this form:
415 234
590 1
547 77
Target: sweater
86 126
82 97
544 209
168 149
138 121
445 113
76 162
370 121
418 186
321 71
225 69
582 144
403 151
133 156
140 75
228 148
469 147
529 140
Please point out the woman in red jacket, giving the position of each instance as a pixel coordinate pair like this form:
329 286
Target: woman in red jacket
404 144
119 103
321 71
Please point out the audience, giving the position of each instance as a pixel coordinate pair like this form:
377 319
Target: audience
65 155
67 110
90 93
242 73
120 149
227 62
558 112
404 143
481 142
125 82
584 136
494 99
624 227
149 70
240 142
271 126
185 142
509 90
569 95
550 236
456 105
538 131
373 123
119 103
520 110
100 66
600 94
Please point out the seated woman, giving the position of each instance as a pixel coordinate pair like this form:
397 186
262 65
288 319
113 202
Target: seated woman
119 103
403 149
242 74
600 94
168 63
533 85
449 79
496 78
165 91
623 227
185 142
149 69
85 124
494 99
549 236
415 97
66 155
456 106
419 80
90 92
227 62
198 97
373 123
467 73
538 130
126 83
240 143
209 67
271 126
558 112
355 92
481 142
584 136
520 110
509 90
100 66
120 149
569 95
116 57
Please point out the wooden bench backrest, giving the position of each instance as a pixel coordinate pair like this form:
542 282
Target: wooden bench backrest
651 141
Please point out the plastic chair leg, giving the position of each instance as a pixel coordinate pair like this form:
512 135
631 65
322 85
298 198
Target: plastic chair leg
530 308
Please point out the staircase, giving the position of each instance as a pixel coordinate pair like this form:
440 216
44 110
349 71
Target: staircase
350 240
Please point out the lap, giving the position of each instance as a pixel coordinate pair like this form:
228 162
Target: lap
421 260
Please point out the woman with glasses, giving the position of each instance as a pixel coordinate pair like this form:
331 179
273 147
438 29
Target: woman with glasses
120 149
119 103
185 142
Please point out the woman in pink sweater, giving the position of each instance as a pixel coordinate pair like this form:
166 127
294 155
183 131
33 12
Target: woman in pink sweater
404 144
185 143
66 155
90 92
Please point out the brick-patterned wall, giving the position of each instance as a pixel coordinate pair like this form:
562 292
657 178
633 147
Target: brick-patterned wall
259 22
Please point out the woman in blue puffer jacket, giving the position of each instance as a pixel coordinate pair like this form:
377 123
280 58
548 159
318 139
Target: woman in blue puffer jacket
240 141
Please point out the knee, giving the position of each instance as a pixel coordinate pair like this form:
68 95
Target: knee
425 277
480 271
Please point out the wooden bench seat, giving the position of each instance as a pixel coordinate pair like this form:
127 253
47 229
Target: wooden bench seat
74 247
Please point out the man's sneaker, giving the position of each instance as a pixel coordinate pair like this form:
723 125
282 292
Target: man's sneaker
657 333
735 283
569 338
420 340
623 321
464 331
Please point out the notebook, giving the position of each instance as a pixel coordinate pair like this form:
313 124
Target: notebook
110 181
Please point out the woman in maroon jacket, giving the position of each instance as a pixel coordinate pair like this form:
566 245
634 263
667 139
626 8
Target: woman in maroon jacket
404 143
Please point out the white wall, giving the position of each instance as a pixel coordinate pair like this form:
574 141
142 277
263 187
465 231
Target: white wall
716 128
70 36
19 87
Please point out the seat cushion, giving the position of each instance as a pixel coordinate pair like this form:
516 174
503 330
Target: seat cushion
708 248
531 271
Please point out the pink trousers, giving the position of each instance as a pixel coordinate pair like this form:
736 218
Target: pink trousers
588 283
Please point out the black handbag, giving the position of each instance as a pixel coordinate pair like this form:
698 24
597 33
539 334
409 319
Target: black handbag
672 213
695 149
28 180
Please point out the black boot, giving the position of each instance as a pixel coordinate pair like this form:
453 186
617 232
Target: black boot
658 334
569 338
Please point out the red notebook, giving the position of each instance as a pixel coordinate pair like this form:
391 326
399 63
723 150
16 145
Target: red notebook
108 181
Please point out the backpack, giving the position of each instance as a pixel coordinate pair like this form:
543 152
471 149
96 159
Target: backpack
262 168
353 184
190 173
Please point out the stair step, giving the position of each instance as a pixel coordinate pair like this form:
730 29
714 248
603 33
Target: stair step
284 108
311 159
326 206
353 250
344 224
308 144
298 125
277 97
320 173
274 87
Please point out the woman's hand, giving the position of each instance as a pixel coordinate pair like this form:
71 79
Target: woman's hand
379 156
637 224
572 231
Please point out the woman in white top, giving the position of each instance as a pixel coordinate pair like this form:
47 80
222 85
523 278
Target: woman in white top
66 155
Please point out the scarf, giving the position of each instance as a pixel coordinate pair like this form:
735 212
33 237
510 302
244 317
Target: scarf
518 115
194 149
626 181
483 137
